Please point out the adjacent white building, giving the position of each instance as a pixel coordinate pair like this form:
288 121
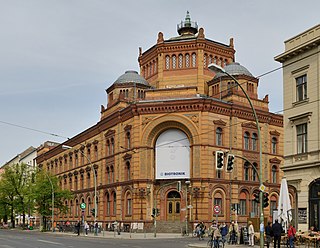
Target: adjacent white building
301 87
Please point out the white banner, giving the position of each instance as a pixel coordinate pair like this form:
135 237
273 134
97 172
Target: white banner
172 155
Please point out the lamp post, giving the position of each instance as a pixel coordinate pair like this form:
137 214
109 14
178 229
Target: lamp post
142 192
196 191
52 202
217 68
187 183
65 147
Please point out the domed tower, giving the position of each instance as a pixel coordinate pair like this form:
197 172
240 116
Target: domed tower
128 88
183 61
223 87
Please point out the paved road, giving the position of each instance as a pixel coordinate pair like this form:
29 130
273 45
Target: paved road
35 239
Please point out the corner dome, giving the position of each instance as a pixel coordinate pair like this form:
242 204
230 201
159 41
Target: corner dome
234 69
131 77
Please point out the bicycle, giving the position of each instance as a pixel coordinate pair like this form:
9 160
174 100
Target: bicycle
212 243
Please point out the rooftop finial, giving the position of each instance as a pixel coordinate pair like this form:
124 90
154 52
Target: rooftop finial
187 27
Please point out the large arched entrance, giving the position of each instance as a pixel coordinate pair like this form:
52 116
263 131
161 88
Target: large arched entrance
314 203
173 206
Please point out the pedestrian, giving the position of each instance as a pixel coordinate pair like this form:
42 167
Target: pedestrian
224 232
86 228
269 234
251 233
78 228
291 235
233 233
96 228
277 230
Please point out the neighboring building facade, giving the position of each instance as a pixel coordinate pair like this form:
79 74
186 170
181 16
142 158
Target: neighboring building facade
166 127
301 84
27 156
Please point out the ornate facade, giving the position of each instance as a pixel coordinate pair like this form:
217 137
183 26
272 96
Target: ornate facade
164 126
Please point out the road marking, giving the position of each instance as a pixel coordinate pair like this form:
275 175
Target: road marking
50 242
7 246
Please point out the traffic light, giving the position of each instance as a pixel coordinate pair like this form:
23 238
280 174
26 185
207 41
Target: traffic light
154 212
256 197
179 186
265 199
219 160
93 211
230 162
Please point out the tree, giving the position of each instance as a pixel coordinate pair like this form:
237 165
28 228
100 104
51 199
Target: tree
14 193
42 195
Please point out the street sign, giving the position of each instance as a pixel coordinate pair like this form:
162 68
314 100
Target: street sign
216 209
83 205
262 187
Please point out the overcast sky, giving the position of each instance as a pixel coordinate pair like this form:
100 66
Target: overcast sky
57 57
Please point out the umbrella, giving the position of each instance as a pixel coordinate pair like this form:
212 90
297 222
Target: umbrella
284 206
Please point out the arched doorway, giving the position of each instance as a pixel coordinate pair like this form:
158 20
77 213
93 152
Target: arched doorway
314 203
173 206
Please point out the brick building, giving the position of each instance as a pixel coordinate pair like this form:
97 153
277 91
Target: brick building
164 126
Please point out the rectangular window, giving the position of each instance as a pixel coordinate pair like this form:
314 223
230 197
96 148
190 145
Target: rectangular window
302 133
254 208
301 84
243 207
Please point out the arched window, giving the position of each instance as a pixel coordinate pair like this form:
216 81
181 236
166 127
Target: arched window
273 204
205 60
219 136
155 67
187 60
76 160
246 171
215 60
82 181
128 140
128 204
217 200
108 175
88 179
96 152
243 203
128 171
194 60
274 174
111 174
246 139
180 61
167 62
210 60
89 207
112 146
77 208
254 141
274 143
174 62
114 203
254 172
76 182
71 208
108 147
108 204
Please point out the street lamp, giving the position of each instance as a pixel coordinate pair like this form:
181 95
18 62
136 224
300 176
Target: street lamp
216 68
196 192
65 147
187 183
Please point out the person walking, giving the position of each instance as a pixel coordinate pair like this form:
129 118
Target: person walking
78 228
269 234
86 228
251 233
291 235
224 232
277 230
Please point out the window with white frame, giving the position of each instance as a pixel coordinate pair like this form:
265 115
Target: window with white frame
167 62
301 85
174 62
219 136
246 140
194 60
187 60
302 133
180 64
274 143
254 140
